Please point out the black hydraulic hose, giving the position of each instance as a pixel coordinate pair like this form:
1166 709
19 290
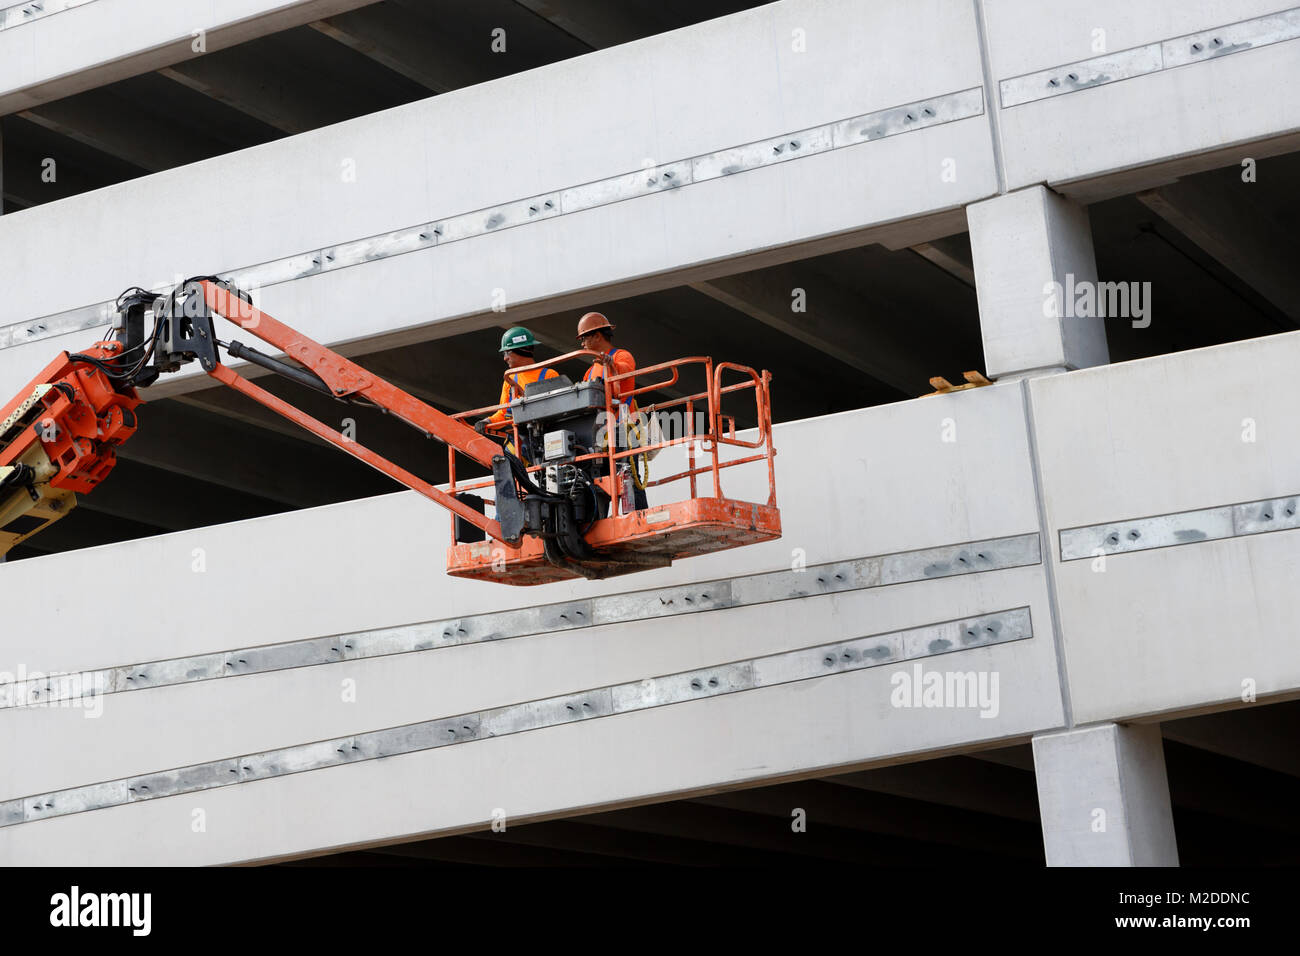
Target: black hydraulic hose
292 372
526 480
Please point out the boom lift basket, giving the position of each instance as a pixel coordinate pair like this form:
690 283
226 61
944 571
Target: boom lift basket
698 451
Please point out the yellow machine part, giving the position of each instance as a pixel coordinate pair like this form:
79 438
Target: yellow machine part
22 514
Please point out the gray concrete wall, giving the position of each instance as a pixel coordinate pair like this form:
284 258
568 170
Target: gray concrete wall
1186 622
1143 96
526 139
379 563
1170 629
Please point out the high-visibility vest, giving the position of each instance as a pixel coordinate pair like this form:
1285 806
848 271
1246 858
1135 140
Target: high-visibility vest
623 362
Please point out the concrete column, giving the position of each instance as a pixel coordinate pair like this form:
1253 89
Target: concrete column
1031 250
1104 797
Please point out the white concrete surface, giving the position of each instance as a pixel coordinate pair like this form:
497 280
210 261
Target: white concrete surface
1197 624
1150 120
1104 797
108 40
670 750
438 158
298 575
1164 631
379 561
664 98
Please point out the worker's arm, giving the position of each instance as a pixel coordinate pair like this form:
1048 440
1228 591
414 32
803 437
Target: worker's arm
500 414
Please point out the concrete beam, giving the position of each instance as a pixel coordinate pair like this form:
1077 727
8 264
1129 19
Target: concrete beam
853 332
827 805
476 851
697 821
600 24
1104 797
581 836
1020 757
102 121
1225 787
85 528
24 179
44 166
405 43
230 406
275 93
168 501
444 45
962 782
450 374
382 433
530 41
1260 735
952 255
207 447
452 381
1231 221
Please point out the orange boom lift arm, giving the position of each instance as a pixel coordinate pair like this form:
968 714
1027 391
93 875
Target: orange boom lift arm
58 438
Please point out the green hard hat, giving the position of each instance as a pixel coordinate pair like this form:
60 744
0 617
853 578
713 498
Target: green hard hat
517 338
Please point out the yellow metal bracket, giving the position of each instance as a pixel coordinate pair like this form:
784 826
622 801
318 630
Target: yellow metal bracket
942 386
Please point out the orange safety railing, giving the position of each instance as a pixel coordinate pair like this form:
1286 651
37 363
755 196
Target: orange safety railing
719 433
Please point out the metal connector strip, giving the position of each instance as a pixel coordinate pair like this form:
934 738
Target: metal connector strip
1183 527
808 663
666 177
870 572
1151 58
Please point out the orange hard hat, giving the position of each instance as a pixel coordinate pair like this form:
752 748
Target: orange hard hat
593 322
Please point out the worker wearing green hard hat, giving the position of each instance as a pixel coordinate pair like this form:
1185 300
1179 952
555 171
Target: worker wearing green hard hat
517 345
518 338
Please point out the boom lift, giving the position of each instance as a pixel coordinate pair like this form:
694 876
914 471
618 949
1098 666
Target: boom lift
559 465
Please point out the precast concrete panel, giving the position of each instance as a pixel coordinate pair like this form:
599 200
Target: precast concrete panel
932 473
894 567
1090 90
1171 491
538 188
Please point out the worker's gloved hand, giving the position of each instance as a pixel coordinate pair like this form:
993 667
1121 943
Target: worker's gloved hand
481 425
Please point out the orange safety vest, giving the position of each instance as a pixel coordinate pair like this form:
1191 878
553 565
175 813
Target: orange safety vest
513 387
623 362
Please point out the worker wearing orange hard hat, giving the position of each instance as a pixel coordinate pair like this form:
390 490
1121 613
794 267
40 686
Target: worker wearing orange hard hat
595 332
